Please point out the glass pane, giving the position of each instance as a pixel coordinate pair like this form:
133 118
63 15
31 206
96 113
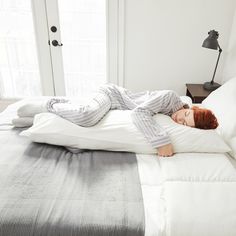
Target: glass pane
83 33
19 71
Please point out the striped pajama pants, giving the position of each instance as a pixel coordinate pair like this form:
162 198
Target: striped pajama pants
82 115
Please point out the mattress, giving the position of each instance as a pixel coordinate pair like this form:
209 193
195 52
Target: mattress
188 194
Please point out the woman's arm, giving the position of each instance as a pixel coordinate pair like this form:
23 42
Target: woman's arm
153 132
142 116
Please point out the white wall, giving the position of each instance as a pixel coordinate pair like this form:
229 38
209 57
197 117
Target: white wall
163 38
230 63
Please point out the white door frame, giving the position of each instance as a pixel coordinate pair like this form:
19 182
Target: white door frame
49 57
56 51
43 50
115 41
121 43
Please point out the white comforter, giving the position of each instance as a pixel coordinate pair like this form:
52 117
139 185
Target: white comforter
189 194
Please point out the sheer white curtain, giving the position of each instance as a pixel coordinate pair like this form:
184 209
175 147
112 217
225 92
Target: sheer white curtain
83 34
19 72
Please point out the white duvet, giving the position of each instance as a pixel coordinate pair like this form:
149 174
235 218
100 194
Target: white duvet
190 194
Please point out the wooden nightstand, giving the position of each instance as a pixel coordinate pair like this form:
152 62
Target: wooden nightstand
196 92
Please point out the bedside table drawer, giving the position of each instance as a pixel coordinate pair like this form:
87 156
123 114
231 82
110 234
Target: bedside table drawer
196 92
195 99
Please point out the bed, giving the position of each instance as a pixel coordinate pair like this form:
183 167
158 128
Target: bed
189 194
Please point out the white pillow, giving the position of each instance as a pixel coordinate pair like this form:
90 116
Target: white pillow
223 103
116 132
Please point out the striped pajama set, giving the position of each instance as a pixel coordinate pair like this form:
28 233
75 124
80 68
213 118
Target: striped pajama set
109 97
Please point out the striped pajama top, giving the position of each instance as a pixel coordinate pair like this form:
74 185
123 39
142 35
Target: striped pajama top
143 105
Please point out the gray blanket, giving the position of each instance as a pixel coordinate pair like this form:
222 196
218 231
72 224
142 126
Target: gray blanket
47 190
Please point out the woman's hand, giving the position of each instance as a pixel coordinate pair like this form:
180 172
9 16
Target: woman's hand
166 150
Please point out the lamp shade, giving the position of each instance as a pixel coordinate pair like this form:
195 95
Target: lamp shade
211 41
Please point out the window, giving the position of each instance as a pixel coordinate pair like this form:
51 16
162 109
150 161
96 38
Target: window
19 72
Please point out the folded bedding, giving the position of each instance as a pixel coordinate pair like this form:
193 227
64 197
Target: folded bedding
46 190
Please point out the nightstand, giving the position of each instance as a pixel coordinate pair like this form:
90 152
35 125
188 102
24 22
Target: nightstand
196 92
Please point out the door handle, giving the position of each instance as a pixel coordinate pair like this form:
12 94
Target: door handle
55 43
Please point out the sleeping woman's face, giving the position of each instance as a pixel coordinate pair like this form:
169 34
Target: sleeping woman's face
184 117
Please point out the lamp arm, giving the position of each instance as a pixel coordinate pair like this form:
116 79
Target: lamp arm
220 51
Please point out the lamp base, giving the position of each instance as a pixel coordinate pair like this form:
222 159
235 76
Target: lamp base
211 86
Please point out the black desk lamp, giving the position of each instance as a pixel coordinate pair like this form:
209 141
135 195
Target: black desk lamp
212 43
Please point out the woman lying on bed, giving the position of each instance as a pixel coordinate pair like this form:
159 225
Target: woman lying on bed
143 105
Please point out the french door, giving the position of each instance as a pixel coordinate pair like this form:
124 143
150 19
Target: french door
77 40
53 47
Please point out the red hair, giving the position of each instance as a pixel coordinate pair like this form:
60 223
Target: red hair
204 118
